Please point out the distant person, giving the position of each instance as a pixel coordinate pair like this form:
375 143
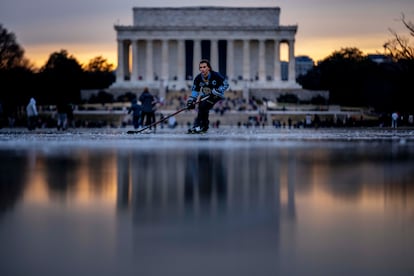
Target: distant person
136 110
316 121
1 115
148 103
32 114
394 119
308 120
218 123
69 112
208 83
62 116
290 122
11 117
162 120
172 122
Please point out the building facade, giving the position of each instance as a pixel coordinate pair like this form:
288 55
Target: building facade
163 47
303 65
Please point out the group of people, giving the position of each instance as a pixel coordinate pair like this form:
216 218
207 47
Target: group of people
208 88
64 112
143 114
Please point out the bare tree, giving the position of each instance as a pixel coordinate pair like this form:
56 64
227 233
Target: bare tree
11 53
400 47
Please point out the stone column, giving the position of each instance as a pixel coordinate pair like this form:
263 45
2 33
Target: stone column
277 77
196 57
149 76
164 60
292 71
181 60
230 59
134 73
120 73
262 66
214 54
246 59
164 69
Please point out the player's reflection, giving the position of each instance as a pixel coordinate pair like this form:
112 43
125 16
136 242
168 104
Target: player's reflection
205 180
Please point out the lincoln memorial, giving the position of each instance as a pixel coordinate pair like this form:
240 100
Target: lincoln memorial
162 48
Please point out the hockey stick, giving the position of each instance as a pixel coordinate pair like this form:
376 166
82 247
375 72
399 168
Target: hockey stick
165 118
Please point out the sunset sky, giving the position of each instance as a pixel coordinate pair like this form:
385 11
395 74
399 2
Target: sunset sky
85 27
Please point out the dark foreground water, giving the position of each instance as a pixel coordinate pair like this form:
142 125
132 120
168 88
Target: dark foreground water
206 206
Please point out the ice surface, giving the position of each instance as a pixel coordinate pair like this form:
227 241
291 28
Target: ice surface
226 136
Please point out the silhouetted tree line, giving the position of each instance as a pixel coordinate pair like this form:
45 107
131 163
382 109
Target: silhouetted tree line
351 77
60 79
354 79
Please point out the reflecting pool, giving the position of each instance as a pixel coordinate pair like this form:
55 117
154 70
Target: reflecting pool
208 207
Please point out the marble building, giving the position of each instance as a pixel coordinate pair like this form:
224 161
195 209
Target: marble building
163 46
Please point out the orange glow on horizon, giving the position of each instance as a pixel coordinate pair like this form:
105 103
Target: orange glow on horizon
39 54
85 191
317 48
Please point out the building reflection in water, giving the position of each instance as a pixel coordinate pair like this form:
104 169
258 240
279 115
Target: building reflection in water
200 202
204 182
243 202
248 209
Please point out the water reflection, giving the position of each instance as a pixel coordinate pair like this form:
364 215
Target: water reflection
338 209
13 171
205 180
